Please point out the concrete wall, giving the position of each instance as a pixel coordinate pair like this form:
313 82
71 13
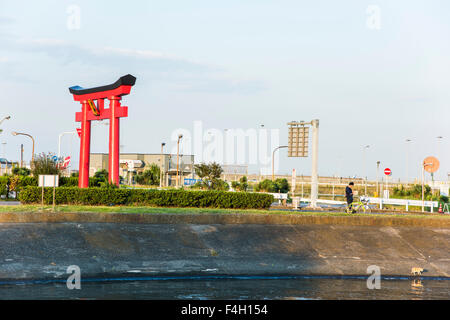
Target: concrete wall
153 244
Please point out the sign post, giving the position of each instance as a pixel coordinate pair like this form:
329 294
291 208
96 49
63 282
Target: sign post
48 181
388 173
431 165
294 176
298 147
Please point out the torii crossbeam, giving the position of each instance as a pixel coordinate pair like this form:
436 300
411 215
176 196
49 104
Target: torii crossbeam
93 108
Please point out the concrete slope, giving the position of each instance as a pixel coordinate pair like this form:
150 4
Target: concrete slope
45 250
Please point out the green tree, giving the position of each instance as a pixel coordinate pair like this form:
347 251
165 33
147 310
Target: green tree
277 186
150 176
282 185
44 164
101 175
242 185
210 176
21 171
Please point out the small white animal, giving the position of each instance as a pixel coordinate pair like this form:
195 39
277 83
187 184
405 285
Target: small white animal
416 271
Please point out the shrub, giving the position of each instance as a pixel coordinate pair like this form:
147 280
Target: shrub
44 164
279 185
210 176
150 176
4 180
242 185
21 171
68 181
163 198
414 192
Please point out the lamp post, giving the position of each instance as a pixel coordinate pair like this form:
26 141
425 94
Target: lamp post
424 164
25 134
178 155
161 165
407 156
378 175
4 149
365 169
5 118
273 159
59 140
21 155
439 138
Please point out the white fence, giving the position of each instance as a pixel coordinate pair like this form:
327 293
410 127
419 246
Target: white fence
404 202
380 201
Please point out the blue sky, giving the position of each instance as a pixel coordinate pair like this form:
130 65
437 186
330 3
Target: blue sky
237 64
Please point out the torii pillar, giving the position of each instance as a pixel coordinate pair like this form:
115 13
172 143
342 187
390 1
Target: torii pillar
93 108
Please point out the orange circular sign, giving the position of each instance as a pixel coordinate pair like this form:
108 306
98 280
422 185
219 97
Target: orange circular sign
431 164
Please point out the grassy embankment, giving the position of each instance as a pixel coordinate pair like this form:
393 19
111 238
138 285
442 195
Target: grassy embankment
168 210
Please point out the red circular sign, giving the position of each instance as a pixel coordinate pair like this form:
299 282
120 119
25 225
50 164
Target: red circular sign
387 171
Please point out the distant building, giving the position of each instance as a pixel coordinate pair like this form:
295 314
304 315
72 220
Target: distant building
6 166
134 163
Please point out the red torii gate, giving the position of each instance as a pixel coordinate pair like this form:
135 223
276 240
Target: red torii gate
96 111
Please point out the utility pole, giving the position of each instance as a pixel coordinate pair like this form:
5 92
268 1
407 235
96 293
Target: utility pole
4 149
161 173
59 141
21 155
298 147
378 175
315 163
365 169
178 156
423 183
407 160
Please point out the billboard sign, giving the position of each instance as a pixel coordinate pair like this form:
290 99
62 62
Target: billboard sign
190 182
48 180
298 140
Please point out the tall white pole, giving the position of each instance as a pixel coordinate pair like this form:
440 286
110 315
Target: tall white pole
315 158
439 141
378 175
59 140
407 160
423 177
365 169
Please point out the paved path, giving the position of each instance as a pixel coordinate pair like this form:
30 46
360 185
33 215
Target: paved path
9 203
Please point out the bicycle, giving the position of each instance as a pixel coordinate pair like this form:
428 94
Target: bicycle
361 206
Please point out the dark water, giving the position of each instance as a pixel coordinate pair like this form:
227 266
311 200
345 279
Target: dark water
259 289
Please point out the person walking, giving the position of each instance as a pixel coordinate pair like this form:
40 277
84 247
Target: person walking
349 196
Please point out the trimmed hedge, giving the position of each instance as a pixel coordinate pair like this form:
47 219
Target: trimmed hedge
4 180
161 198
17 182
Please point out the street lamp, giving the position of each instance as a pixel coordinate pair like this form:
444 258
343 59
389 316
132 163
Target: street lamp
4 149
365 169
25 134
439 138
161 176
378 170
5 118
407 155
178 155
424 164
59 140
273 159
